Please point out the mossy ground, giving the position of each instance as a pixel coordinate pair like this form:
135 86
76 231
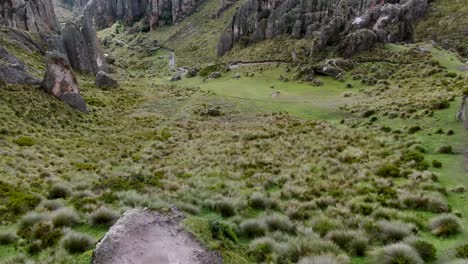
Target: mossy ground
226 152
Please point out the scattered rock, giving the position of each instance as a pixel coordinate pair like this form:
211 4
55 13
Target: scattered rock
237 76
60 81
215 75
317 82
109 59
458 189
144 236
103 80
192 72
175 78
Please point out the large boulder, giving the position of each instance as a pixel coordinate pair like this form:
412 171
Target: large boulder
60 81
103 80
358 41
144 236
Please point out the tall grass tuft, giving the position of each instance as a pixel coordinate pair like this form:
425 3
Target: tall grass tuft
395 253
445 225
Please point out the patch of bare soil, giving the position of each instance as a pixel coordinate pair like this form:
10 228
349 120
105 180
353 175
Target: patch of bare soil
147 237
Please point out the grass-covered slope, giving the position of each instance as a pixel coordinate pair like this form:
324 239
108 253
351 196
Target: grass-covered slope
257 183
446 24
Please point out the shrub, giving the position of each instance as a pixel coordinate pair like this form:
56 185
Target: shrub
65 217
436 164
416 158
40 237
426 250
226 208
74 242
252 228
462 251
279 222
445 225
388 171
447 149
104 216
396 254
59 190
7 238
24 141
393 231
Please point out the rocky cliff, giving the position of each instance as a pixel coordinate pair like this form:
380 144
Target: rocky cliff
30 15
354 24
155 12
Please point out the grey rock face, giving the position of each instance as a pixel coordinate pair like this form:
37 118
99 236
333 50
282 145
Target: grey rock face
103 80
328 22
30 15
14 71
156 12
60 81
82 45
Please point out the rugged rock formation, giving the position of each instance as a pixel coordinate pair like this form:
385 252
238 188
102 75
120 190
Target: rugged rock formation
82 45
13 70
60 81
359 23
30 15
143 236
156 12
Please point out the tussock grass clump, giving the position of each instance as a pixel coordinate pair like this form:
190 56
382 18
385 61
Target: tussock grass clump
18 259
462 251
324 259
253 228
445 225
436 164
226 207
389 170
24 141
7 238
424 202
393 231
262 248
426 250
349 241
104 216
279 222
322 225
51 205
31 219
396 253
259 201
59 190
65 217
75 242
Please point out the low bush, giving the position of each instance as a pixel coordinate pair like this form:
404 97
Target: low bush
445 225
436 164
220 230
74 242
389 170
414 129
104 216
395 254
322 225
259 201
24 141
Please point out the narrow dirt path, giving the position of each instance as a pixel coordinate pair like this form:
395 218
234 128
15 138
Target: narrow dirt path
143 237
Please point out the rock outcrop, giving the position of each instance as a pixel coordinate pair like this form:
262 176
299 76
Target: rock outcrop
155 12
144 236
60 81
357 23
82 45
30 15
103 80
